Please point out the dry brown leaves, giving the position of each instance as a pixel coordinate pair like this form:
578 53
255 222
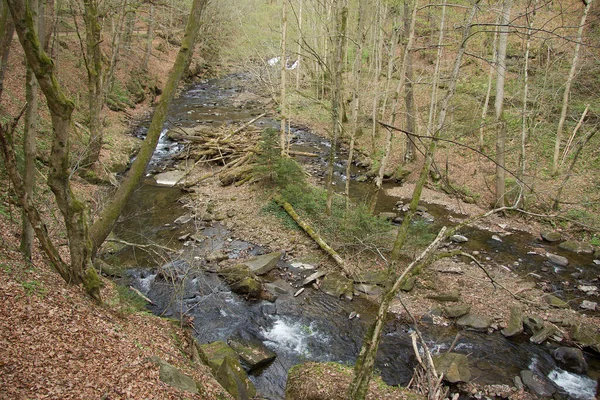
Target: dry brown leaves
56 344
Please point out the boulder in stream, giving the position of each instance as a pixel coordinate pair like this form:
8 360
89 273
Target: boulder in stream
214 353
337 285
571 359
242 281
474 322
586 335
515 323
260 265
252 353
454 366
557 260
537 384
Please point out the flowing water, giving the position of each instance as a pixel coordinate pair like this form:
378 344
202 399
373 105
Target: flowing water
312 326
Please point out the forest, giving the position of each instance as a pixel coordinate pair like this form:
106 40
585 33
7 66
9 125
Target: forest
194 189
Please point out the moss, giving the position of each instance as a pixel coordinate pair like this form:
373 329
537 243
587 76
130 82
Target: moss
92 284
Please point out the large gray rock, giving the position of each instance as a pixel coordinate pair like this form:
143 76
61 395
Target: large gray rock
551 236
409 284
571 359
233 378
252 353
586 335
457 311
537 384
337 285
174 377
569 245
260 265
557 260
454 366
515 323
474 322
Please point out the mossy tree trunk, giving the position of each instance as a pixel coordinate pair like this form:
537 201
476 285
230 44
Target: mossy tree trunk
7 29
109 214
94 68
61 108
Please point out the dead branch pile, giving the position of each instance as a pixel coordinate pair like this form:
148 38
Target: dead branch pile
231 150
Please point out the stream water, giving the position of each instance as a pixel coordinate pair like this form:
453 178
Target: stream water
313 326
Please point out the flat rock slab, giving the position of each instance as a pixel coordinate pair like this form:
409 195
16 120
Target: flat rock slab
454 366
372 277
169 178
337 285
261 265
555 302
253 354
456 311
543 335
515 323
451 296
174 377
371 290
474 322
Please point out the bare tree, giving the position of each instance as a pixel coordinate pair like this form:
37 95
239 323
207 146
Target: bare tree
568 83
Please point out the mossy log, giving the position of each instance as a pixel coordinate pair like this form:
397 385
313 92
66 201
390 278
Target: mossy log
310 231
237 174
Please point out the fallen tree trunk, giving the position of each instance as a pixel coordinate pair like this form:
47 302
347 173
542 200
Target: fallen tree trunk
310 231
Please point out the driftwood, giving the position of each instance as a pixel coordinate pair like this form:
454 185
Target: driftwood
237 174
141 295
310 231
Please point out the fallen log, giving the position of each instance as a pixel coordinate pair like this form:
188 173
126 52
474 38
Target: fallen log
310 231
236 174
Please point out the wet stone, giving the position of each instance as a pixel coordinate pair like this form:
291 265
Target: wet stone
537 384
252 353
551 236
571 359
557 260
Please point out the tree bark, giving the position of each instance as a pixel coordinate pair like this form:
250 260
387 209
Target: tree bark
356 72
409 95
568 83
336 67
109 214
499 104
94 68
73 211
150 37
7 29
488 93
283 63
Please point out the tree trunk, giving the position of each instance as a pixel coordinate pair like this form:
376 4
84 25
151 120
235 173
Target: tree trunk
356 72
7 29
115 47
499 104
299 67
94 67
340 21
409 95
283 62
73 211
149 37
436 75
395 106
488 93
109 214
568 83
